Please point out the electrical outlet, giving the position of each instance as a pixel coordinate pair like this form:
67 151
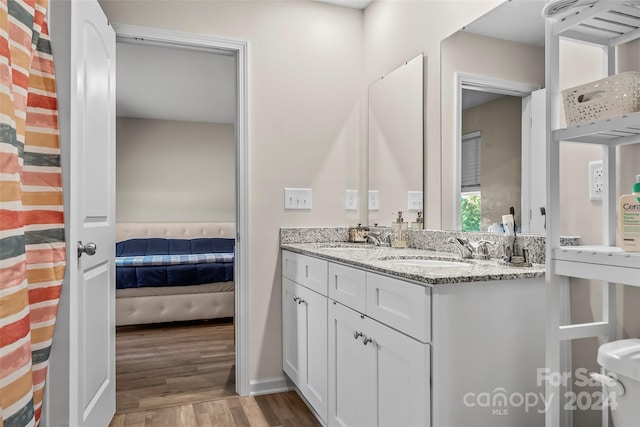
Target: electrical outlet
297 198
596 180
351 200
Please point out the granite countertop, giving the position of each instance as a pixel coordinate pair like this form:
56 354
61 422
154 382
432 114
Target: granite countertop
369 257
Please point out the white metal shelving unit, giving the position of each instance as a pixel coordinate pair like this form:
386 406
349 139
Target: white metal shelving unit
606 24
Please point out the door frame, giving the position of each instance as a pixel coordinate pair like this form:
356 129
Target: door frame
201 42
484 84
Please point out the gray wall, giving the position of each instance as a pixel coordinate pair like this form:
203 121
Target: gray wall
172 171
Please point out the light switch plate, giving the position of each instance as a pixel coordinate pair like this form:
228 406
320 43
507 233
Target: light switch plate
414 201
297 198
351 200
596 180
374 200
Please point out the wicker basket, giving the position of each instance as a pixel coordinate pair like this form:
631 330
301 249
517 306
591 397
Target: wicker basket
613 96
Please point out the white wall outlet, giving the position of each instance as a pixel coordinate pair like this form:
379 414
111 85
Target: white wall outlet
374 200
297 198
596 180
414 201
351 200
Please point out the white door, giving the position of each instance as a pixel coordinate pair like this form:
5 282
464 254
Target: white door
352 370
403 371
313 318
92 217
534 184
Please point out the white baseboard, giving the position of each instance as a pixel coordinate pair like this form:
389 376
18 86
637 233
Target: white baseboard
269 385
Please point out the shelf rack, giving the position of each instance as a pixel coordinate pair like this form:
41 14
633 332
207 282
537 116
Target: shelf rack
606 24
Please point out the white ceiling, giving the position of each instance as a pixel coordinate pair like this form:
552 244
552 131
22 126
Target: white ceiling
517 20
473 98
166 83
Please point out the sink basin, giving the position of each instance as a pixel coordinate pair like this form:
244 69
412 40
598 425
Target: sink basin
427 262
347 247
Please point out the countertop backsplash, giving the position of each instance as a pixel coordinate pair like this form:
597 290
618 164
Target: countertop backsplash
435 240
290 235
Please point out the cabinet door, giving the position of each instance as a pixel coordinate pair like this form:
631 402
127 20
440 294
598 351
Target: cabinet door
352 370
348 286
305 270
290 331
403 367
401 305
313 379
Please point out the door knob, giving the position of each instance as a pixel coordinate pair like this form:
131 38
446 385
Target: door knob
89 249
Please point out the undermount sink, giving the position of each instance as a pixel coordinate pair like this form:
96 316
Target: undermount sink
348 247
427 262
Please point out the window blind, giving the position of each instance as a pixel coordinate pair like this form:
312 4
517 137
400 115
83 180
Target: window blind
470 162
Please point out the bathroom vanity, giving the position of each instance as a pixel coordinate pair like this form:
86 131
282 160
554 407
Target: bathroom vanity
405 337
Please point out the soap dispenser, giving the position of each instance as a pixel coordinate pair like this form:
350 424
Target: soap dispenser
399 232
417 225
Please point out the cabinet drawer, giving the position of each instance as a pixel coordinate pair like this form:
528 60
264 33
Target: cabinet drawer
403 306
348 286
305 270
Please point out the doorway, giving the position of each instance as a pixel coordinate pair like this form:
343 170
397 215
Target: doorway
501 130
190 44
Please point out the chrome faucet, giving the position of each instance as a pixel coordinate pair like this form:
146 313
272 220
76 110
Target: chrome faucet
374 237
463 245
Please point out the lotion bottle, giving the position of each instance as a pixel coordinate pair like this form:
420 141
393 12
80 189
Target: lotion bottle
399 232
630 219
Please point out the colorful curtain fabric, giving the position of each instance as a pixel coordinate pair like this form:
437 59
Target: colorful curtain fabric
32 249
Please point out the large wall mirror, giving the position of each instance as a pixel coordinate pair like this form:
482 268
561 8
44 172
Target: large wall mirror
396 143
493 120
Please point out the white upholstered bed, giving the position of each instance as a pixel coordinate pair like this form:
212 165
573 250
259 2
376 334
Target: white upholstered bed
174 303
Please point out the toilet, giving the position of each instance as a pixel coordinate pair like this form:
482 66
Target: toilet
621 360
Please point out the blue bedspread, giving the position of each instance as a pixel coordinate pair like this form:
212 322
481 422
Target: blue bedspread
173 262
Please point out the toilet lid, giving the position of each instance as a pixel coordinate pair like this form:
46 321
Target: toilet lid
621 357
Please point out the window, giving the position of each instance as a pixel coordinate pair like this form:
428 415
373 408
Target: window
470 195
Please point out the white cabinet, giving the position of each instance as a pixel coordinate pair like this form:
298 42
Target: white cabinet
348 286
290 337
308 271
402 305
352 367
377 376
385 352
304 337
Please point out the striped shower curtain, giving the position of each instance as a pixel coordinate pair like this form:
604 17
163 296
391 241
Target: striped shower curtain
32 249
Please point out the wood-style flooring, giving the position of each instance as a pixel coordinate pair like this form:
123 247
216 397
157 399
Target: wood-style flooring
174 364
271 410
183 375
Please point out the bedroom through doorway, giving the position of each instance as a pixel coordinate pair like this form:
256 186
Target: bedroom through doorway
176 208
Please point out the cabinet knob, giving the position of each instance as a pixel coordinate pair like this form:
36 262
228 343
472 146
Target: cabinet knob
301 301
357 334
295 299
366 340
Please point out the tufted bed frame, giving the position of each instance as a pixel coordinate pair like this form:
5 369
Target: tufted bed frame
176 303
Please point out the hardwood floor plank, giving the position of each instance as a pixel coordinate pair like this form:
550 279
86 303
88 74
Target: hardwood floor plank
252 411
239 417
